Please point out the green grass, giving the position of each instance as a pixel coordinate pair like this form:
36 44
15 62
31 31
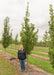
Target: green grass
45 65
15 47
41 54
41 49
6 68
36 53
9 51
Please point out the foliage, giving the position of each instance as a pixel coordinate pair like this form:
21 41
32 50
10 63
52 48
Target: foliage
51 32
16 39
28 36
46 38
6 36
0 41
11 39
51 55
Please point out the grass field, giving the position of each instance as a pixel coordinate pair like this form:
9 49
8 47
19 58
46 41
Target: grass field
6 68
36 49
41 54
40 49
45 65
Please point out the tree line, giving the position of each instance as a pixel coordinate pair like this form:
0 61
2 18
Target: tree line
29 37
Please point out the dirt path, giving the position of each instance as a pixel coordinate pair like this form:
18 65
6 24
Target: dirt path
6 68
40 57
32 70
37 56
36 51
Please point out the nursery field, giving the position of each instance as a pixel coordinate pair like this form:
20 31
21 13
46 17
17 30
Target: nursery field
40 51
6 68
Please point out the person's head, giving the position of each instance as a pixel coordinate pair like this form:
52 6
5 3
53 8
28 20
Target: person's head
21 47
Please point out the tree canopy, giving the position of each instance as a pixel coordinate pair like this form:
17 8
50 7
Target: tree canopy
6 36
28 35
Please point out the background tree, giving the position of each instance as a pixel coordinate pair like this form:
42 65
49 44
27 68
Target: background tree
28 36
45 38
51 32
11 39
0 41
16 40
6 36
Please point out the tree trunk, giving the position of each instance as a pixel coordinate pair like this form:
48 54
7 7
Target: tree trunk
15 46
11 46
5 52
27 63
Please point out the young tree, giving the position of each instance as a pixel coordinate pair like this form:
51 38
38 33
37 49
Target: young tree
28 35
45 38
6 37
51 32
11 39
16 40
0 41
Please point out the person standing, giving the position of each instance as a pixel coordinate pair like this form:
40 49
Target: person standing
22 57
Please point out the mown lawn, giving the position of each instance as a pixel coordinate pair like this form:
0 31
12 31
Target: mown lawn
45 65
6 68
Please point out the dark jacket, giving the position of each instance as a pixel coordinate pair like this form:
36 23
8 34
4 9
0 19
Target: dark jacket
21 54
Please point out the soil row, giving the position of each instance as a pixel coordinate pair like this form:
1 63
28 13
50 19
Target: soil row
34 55
30 69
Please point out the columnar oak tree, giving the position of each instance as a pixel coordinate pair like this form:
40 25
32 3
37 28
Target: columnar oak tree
28 35
6 37
16 40
51 32
45 38
11 39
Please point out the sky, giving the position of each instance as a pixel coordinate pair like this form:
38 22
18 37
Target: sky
15 10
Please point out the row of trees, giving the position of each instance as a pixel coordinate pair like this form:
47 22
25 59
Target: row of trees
29 36
45 41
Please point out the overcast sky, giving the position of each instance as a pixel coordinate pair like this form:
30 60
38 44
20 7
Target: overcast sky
15 10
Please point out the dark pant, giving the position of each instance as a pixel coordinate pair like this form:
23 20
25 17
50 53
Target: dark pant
22 62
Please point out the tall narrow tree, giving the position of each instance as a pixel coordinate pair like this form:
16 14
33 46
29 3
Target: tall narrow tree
16 40
5 37
51 32
28 35
11 39
45 38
